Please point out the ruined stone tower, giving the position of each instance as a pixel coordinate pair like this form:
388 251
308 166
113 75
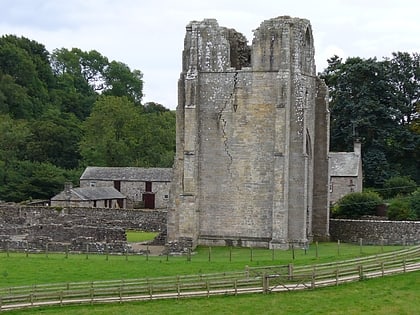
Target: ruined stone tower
251 166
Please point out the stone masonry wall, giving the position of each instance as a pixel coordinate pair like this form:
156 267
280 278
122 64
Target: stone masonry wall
74 229
246 134
376 232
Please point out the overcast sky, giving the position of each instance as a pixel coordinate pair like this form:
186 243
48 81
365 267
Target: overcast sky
148 35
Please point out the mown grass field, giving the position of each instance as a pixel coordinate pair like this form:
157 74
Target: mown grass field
381 296
389 295
17 269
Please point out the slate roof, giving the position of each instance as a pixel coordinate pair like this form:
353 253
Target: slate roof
90 193
344 164
127 174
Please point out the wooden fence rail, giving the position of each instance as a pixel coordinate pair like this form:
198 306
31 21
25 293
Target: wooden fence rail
264 279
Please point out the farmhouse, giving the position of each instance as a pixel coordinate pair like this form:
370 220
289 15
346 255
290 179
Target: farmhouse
345 173
144 187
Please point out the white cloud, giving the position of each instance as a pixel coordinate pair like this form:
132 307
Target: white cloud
148 35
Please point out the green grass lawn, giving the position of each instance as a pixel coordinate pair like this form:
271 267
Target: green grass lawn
16 269
140 236
381 296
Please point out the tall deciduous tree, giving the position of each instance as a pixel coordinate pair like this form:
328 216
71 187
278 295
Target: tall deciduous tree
373 100
119 133
26 77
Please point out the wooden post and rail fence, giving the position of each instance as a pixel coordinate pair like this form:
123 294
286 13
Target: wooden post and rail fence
251 280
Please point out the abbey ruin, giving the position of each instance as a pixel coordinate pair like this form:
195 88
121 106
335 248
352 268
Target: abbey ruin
251 167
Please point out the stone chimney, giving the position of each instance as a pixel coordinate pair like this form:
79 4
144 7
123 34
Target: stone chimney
357 147
68 187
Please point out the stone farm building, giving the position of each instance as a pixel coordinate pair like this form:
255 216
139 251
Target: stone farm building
144 187
91 197
251 165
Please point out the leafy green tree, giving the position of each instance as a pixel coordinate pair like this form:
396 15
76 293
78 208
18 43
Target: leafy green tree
14 99
399 209
32 180
398 186
152 107
107 134
13 138
121 81
24 63
375 102
156 139
119 133
357 204
415 203
55 138
79 78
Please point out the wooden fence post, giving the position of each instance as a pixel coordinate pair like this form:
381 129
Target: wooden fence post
338 247
265 283
290 271
361 245
382 244
178 286
313 279
361 276
336 276
150 289
87 251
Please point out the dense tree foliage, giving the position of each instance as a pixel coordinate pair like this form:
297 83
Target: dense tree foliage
398 186
62 111
377 102
357 204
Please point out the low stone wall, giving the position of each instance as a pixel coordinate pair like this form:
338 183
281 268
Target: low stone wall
376 232
74 229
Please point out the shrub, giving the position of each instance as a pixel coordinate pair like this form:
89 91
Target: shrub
400 209
357 204
398 186
415 203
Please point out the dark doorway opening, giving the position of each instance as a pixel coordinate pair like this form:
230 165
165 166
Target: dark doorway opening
149 200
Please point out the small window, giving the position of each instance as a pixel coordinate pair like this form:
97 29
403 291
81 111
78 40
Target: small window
166 197
148 187
92 184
